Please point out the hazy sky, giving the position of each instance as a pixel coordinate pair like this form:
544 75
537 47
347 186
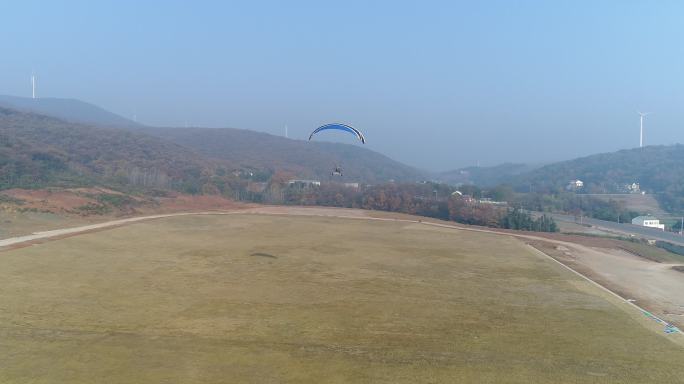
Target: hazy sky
437 85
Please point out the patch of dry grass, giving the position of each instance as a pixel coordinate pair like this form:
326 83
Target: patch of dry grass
650 252
195 299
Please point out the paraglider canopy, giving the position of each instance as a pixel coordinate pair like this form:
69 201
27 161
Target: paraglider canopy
340 127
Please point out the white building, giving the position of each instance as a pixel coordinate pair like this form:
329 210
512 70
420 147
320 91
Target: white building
304 183
574 185
648 221
487 200
633 188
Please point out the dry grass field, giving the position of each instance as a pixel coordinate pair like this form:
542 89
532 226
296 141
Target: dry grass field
634 201
272 299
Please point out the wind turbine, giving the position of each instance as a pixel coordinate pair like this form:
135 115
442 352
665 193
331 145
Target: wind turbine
641 127
33 85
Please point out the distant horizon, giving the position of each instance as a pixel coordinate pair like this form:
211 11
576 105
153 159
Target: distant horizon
438 85
343 140
478 163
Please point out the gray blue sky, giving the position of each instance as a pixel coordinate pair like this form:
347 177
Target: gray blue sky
437 85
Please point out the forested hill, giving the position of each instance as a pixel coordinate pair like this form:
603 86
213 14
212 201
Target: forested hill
40 151
249 149
72 110
486 176
658 170
240 148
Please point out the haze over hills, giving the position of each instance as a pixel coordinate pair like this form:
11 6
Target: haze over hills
658 170
50 146
65 120
41 151
249 149
67 109
486 176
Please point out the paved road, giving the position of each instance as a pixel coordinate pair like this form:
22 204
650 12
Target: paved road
650 233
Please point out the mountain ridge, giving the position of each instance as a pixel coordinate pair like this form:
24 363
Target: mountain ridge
306 159
40 151
237 147
72 110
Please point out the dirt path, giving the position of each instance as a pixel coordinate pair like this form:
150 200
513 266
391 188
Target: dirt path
656 286
58 233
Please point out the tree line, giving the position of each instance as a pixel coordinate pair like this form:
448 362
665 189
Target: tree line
424 199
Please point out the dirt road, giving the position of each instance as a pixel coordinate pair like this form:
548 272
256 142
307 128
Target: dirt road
57 233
